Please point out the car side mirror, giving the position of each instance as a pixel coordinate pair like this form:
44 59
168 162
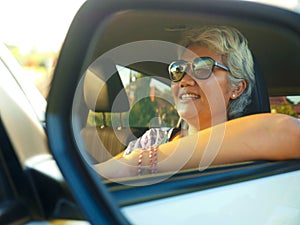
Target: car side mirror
102 26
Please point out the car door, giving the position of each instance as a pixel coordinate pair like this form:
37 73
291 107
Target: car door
260 192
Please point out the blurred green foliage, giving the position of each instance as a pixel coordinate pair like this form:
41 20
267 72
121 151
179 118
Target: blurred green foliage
145 111
284 108
33 58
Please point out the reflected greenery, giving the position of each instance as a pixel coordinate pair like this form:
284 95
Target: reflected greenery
155 109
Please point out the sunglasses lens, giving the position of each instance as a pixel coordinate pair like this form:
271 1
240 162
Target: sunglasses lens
177 70
202 67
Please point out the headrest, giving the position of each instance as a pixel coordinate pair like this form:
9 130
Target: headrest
103 88
260 102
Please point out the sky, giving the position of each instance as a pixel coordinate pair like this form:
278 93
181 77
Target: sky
39 24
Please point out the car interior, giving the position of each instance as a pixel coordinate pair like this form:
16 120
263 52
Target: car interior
100 93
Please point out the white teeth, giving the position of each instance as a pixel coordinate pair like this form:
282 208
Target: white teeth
190 96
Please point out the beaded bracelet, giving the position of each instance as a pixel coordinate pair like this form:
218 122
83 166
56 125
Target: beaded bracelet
152 155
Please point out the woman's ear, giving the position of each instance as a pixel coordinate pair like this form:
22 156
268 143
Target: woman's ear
239 89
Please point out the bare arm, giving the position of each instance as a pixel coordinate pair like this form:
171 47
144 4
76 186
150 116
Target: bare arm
256 137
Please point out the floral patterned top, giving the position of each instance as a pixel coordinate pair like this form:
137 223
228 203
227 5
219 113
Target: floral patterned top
154 136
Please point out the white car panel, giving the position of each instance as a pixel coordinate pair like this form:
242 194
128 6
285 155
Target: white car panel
19 117
266 201
35 98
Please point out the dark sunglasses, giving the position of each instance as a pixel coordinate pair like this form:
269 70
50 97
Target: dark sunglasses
201 67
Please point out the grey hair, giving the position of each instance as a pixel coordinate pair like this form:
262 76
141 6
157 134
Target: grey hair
233 47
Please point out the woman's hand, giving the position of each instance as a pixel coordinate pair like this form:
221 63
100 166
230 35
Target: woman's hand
125 166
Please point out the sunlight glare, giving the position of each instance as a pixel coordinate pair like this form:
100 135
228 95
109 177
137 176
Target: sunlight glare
37 24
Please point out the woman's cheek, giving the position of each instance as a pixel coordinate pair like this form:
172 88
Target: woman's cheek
174 89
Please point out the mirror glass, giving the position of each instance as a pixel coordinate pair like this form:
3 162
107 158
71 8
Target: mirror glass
126 89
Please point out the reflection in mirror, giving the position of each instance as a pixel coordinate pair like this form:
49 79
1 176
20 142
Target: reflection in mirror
150 105
149 125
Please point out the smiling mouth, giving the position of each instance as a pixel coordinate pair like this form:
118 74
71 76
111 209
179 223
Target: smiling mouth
189 96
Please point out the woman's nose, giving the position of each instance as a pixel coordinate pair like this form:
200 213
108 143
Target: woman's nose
187 80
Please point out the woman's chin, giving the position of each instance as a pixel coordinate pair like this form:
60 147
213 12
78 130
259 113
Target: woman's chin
188 114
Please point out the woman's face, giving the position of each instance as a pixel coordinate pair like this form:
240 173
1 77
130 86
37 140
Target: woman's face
202 103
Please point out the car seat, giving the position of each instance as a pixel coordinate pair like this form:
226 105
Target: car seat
260 102
104 92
